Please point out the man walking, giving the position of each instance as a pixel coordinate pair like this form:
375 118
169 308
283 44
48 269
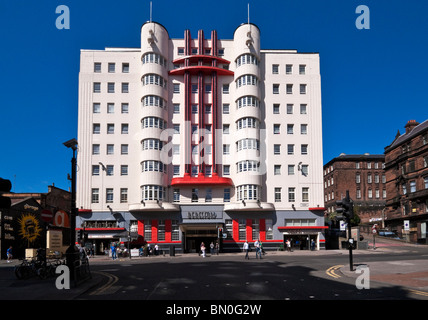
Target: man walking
246 249
258 251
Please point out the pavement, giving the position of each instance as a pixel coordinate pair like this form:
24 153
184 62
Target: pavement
412 274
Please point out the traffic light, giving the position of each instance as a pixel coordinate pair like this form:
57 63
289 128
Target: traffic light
5 186
81 234
346 207
220 233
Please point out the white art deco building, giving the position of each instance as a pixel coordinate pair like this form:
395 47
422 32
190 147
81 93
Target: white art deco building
200 139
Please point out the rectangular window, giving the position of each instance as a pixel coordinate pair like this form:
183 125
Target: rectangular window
123 195
276 129
175 230
276 149
110 128
125 87
176 195
97 87
96 128
123 149
96 149
288 69
176 87
277 194
226 197
111 67
95 197
305 194
225 89
109 195
226 108
125 128
96 108
110 87
208 195
97 67
275 89
302 69
242 229
124 170
255 225
269 229
291 195
125 67
275 68
289 89
148 230
125 108
276 109
195 196
303 89
161 230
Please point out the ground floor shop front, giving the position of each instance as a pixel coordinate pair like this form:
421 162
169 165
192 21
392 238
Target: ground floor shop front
185 230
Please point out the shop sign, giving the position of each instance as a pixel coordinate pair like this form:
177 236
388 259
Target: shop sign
200 213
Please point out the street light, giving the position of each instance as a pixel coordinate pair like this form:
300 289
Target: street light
72 252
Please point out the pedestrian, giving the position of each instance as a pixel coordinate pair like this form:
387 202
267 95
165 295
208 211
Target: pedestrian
217 247
212 248
203 249
113 251
288 243
246 248
9 254
312 245
156 249
257 246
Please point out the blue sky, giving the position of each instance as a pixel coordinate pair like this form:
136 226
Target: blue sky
373 81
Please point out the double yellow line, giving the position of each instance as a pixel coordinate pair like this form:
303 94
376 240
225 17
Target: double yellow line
420 293
112 279
331 271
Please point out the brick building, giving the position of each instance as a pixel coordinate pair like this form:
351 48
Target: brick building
363 175
406 169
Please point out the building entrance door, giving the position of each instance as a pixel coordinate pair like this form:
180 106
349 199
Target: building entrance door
195 235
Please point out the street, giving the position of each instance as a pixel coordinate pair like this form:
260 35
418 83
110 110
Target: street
298 275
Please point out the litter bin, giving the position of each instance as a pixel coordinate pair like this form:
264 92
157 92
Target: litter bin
172 251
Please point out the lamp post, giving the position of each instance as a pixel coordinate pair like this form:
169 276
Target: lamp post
72 253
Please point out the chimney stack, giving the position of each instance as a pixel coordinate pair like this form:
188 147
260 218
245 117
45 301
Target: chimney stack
410 125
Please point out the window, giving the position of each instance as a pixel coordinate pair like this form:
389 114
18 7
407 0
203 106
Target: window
291 195
276 149
304 149
305 170
152 100
194 88
96 128
276 109
155 79
226 149
124 170
277 194
96 108
277 169
123 195
110 149
413 186
95 149
305 194
226 195
303 129
153 192
97 87
110 128
247 192
302 69
148 230
97 67
125 108
207 88
95 170
290 149
288 69
290 108
195 196
110 108
176 195
426 182
291 169
161 230
275 69
303 109
226 108
226 128
194 108
289 89
110 87
208 195
275 88
176 87
228 228
290 128
125 87
110 170
247 79
358 178
226 170
247 101
225 89
95 196
255 226
125 128
109 195
303 89
123 149
175 230
125 67
242 229
207 109
276 129
180 51
111 67
176 108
